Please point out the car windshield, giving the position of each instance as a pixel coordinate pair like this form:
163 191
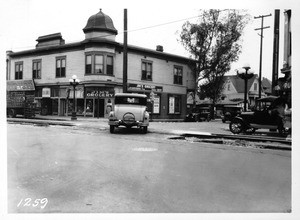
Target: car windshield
131 100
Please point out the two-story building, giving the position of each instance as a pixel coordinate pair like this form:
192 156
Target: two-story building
97 61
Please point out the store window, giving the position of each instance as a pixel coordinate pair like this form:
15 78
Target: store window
156 105
174 104
36 69
60 67
19 70
55 92
147 70
178 75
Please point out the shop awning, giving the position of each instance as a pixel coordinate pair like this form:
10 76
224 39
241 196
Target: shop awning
20 85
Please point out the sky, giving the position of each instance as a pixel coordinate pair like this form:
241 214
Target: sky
149 24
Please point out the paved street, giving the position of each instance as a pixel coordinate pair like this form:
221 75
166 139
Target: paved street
55 169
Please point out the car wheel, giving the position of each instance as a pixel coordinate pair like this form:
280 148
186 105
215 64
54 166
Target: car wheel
236 126
112 128
11 113
282 132
145 129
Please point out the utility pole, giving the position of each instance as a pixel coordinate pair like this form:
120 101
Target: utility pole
125 50
261 45
275 50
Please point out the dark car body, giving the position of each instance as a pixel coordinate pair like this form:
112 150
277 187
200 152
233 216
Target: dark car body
248 122
198 114
229 112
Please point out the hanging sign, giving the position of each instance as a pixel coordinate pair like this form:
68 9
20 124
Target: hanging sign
143 87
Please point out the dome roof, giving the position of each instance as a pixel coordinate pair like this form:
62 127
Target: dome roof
100 22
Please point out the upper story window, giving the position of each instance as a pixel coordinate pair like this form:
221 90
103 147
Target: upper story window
109 65
255 86
98 64
146 70
19 70
36 69
60 67
178 75
88 64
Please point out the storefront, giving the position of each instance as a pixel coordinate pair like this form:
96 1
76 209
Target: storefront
153 96
99 101
95 101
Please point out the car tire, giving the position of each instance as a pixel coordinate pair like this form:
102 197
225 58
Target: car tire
236 126
145 129
112 128
11 113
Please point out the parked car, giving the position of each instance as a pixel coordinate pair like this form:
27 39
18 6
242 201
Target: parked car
130 110
229 112
198 114
249 122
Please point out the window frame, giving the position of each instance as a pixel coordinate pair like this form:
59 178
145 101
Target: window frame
107 65
60 59
146 62
19 73
255 86
93 64
178 102
98 64
177 79
38 74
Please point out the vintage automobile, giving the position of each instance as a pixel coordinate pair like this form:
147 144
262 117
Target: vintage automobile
130 110
229 112
249 122
198 114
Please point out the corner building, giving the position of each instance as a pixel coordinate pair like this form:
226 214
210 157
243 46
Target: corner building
97 61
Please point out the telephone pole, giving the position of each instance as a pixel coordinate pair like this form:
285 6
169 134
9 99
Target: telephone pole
125 50
261 44
275 50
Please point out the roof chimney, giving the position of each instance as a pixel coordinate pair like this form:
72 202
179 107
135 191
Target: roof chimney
50 40
159 48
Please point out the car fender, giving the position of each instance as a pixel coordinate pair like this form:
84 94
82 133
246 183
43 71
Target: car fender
238 118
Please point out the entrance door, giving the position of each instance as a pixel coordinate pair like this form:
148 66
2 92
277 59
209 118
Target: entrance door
62 110
99 108
46 106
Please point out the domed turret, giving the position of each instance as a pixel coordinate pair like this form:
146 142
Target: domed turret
100 25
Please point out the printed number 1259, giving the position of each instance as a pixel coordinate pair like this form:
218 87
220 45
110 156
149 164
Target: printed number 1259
36 203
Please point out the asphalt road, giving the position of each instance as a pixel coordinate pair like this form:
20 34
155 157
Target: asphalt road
69 170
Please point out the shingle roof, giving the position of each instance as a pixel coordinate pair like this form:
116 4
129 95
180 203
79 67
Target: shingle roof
100 22
239 83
